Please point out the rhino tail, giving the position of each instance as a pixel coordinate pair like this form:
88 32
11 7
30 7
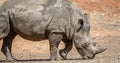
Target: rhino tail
4 25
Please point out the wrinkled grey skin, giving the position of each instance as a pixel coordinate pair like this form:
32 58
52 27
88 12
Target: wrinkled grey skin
55 20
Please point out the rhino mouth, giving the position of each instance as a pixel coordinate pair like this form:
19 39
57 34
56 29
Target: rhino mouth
88 55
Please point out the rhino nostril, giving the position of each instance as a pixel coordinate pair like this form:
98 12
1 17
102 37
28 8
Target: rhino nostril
85 45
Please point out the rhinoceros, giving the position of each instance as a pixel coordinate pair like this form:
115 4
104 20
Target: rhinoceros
55 20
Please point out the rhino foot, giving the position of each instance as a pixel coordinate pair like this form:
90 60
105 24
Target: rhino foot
54 59
10 60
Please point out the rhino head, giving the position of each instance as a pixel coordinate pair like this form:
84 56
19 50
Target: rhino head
81 36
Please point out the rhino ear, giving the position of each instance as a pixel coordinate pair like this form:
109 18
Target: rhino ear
4 25
87 17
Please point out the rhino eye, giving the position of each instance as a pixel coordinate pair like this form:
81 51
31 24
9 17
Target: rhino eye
80 23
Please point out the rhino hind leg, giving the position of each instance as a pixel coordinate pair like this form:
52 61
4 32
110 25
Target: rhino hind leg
7 44
54 40
68 46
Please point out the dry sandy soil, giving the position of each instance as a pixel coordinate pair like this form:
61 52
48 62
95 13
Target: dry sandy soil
105 30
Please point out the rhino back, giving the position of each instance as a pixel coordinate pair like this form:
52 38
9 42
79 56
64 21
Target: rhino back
12 3
9 4
30 18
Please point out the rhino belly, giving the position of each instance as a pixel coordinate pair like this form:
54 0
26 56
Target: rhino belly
30 24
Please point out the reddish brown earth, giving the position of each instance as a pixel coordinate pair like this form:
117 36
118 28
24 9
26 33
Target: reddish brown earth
105 30
107 6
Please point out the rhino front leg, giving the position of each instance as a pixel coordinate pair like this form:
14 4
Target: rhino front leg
54 40
68 46
6 47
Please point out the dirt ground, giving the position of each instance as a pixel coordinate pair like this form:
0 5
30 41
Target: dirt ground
105 30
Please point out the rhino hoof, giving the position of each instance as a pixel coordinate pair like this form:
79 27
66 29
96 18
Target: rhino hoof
54 59
10 60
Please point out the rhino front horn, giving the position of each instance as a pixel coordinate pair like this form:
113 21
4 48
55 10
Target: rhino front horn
100 50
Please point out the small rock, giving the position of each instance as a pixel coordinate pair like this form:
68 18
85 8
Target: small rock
97 35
